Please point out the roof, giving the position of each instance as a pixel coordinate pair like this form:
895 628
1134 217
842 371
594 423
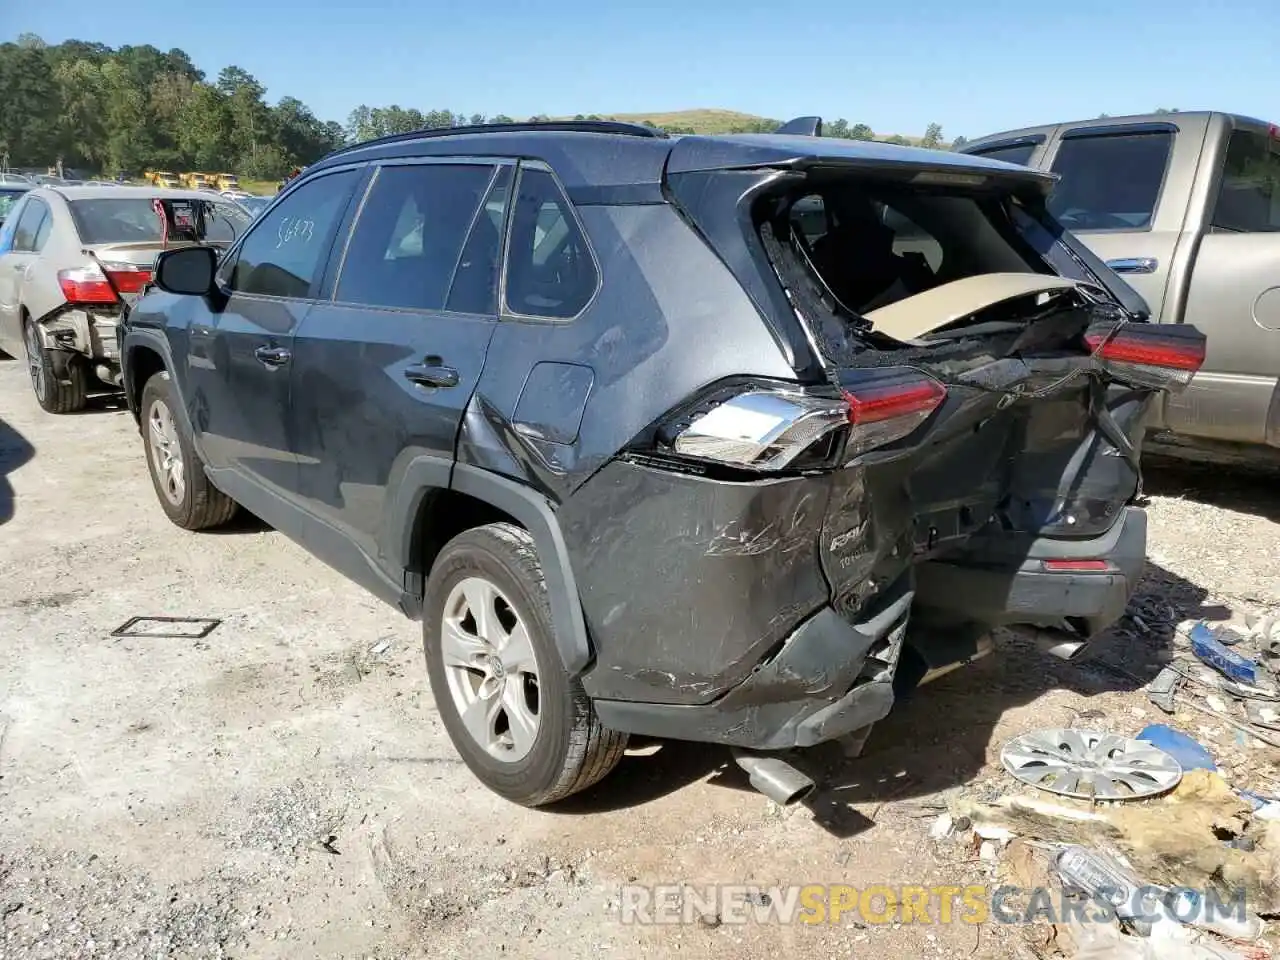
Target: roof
1196 120
589 159
92 192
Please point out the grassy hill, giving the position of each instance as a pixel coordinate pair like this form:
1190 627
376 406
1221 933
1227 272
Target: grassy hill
710 120
702 120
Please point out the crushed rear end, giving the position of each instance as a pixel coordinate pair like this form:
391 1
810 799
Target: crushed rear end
114 270
960 450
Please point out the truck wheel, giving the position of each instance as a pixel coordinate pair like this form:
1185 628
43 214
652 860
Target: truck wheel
53 395
524 727
185 493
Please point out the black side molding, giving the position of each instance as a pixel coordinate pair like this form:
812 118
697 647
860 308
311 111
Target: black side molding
535 513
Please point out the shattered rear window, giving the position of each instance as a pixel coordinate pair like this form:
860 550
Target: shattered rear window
875 246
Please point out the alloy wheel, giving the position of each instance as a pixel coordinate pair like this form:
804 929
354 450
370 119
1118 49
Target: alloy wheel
491 668
35 363
166 452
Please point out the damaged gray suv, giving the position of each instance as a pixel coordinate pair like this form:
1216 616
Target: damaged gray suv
726 438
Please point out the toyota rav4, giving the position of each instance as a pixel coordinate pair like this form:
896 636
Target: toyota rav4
720 438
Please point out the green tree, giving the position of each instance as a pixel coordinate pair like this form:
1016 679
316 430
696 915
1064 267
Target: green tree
932 138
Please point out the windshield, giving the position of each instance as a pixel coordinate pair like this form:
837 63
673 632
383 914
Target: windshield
134 220
9 196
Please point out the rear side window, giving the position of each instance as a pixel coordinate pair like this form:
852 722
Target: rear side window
134 220
550 270
288 246
409 240
1110 181
1019 153
1249 198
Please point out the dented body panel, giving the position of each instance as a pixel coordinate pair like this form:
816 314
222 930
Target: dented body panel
693 597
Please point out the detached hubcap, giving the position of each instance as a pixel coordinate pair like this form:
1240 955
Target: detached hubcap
35 362
491 669
166 452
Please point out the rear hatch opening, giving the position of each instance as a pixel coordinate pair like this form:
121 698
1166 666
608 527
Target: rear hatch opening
975 386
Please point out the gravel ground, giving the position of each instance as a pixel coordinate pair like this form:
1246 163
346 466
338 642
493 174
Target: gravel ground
284 787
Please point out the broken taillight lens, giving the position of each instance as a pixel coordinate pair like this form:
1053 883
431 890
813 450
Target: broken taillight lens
761 429
1148 354
86 285
776 428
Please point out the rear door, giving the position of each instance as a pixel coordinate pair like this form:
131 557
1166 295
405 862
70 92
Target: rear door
240 354
30 234
1234 298
16 239
385 368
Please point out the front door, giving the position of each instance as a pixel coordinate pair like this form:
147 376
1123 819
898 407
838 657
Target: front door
1110 196
384 371
1235 301
241 354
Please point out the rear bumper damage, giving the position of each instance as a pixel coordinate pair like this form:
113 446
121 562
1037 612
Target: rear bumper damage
73 332
829 678
1045 583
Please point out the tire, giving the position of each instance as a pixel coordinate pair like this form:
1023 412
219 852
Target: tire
53 395
185 493
569 749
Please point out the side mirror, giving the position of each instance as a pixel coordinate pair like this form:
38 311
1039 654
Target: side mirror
187 271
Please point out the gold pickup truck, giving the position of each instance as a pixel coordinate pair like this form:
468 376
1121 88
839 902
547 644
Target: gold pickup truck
1186 207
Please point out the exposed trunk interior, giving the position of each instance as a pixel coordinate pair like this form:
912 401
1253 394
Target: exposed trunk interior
1031 443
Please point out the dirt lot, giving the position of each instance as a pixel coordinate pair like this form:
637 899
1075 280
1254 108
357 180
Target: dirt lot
284 788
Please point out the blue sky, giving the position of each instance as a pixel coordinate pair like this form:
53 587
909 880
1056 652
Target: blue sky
974 67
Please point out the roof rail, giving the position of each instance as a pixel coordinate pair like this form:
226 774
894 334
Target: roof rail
802 127
554 126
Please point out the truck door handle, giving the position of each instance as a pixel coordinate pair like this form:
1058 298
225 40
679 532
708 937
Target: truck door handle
1134 265
273 356
431 373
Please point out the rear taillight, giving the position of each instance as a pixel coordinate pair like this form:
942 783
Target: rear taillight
126 277
99 285
87 285
778 428
1148 354
889 408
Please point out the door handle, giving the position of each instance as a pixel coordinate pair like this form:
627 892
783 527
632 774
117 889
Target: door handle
1134 265
431 373
272 356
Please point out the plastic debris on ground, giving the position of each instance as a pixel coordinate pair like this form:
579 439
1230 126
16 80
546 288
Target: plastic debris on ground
1209 649
1187 751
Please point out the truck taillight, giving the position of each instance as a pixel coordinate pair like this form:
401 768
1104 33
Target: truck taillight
86 285
777 428
1148 354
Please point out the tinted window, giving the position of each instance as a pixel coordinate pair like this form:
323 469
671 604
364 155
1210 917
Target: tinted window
1019 153
550 272
1249 198
410 235
134 220
476 279
1110 182
30 221
288 246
